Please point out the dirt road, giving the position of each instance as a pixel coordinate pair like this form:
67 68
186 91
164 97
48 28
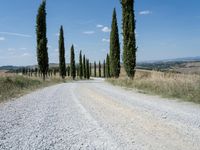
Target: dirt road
95 115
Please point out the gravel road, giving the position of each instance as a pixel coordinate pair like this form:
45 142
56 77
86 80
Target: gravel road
96 115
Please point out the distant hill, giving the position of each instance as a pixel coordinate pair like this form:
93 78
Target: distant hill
9 68
180 65
12 68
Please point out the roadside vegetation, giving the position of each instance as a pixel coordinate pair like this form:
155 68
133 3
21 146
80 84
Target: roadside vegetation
170 85
15 85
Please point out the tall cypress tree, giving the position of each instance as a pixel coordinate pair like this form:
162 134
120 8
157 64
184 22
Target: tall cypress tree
87 69
95 69
104 69
90 69
114 48
99 69
80 65
129 39
107 66
72 64
42 50
62 64
84 66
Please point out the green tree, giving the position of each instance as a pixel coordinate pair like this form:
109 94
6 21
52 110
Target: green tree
95 69
80 65
90 69
42 50
114 48
99 69
73 64
87 69
84 66
107 66
104 69
129 38
62 64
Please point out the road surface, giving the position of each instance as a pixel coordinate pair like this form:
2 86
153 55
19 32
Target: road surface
95 115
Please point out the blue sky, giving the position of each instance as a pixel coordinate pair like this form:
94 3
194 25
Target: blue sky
165 28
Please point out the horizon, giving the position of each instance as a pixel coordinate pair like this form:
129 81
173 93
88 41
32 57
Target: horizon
163 31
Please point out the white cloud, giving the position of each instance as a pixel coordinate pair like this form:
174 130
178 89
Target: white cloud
23 48
2 39
11 49
106 29
99 26
16 34
145 12
26 54
56 50
88 32
105 40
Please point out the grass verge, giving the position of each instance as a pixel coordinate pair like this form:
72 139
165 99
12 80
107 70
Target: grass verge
16 86
170 85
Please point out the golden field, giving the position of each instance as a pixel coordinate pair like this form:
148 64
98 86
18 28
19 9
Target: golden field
172 85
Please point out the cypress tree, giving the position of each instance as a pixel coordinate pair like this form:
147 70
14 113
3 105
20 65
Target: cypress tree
80 65
104 69
77 70
72 64
107 66
84 67
42 50
129 48
62 64
99 69
87 69
68 71
88 64
114 48
95 69
90 69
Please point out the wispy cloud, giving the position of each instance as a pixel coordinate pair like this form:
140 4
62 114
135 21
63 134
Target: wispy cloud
106 29
16 34
105 40
11 49
88 32
145 12
23 48
25 54
2 39
99 26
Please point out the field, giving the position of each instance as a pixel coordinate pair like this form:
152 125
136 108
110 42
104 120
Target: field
171 85
186 67
12 85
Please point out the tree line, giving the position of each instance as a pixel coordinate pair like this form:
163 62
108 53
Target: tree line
111 66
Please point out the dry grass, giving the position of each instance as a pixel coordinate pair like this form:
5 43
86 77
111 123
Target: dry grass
173 85
12 86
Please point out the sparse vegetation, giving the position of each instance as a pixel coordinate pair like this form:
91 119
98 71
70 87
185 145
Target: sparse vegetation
172 85
15 86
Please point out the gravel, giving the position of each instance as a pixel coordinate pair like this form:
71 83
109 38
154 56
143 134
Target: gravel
96 115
